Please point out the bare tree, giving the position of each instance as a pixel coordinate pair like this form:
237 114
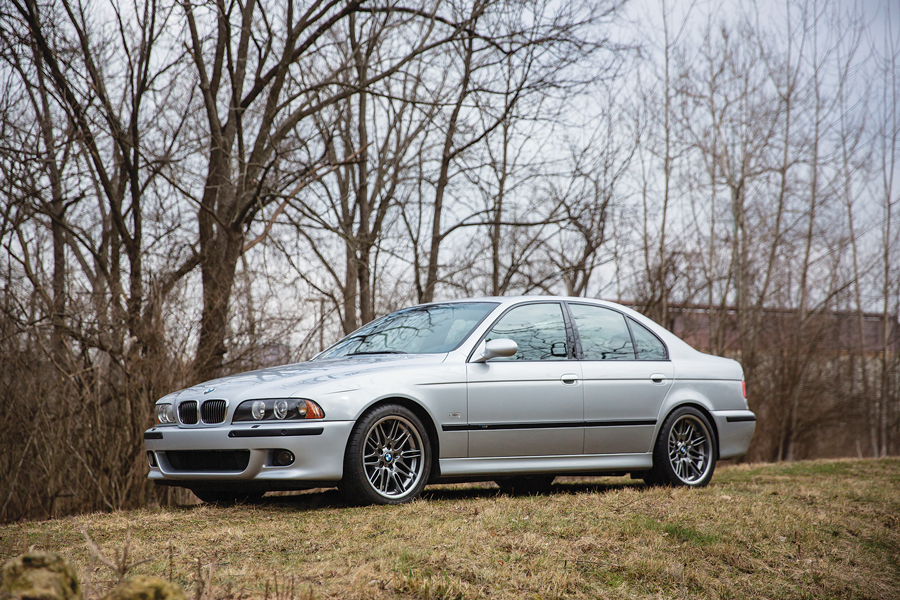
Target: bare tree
372 136
886 419
511 53
588 198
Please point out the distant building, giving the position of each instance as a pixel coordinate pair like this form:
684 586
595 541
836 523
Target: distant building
830 331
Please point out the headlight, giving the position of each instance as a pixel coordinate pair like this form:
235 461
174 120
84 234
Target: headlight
281 409
258 409
277 409
165 414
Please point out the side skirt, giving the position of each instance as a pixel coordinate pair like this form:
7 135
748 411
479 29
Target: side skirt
557 465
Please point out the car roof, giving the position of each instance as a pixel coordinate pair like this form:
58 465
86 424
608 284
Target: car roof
517 299
504 302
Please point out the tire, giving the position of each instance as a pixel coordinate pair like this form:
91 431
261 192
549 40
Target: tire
685 451
388 457
226 497
527 485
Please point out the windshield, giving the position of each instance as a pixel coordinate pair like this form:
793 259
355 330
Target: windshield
429 329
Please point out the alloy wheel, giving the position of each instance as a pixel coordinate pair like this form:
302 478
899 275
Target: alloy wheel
392 456
690 449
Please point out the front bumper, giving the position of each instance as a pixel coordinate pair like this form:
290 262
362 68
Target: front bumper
736 428
318 448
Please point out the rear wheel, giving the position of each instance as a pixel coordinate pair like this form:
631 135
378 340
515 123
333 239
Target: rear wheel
388 457
685 451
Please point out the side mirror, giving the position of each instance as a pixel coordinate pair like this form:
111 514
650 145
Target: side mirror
497 348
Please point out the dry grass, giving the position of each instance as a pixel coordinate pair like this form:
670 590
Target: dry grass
824 529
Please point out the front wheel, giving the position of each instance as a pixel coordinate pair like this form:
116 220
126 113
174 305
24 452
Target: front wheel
685 451
388 457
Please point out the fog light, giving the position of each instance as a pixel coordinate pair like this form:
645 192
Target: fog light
283 458
152 458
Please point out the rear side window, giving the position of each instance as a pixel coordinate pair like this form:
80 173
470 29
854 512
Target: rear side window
646 345
603 332
538 329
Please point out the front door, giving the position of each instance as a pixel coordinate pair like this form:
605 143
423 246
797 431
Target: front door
529 404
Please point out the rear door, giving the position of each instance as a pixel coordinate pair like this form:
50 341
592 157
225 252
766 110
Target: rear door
627 374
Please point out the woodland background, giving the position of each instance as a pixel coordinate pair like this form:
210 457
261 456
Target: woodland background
192 188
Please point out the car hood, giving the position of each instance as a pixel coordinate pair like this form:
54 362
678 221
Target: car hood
288 380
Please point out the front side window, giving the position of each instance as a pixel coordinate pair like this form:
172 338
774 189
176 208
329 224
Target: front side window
603 332
538 329
432 329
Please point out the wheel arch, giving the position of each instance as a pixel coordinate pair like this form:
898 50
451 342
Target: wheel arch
424 416
703 410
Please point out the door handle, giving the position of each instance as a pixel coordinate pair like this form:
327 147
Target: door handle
658 378
569 379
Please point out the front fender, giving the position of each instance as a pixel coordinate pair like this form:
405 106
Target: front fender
443 399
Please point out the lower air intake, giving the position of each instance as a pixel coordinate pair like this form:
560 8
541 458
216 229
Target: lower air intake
208 461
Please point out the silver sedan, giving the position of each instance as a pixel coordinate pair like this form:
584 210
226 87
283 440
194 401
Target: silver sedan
515 390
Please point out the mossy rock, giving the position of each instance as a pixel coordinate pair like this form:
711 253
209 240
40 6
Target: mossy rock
39 576
145 587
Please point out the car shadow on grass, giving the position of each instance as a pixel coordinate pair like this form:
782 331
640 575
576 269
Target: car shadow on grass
595 487
566 486
323 499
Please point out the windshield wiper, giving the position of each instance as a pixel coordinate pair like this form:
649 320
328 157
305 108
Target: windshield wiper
377 352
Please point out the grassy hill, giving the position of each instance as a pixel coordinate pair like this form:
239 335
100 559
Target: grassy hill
823 529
